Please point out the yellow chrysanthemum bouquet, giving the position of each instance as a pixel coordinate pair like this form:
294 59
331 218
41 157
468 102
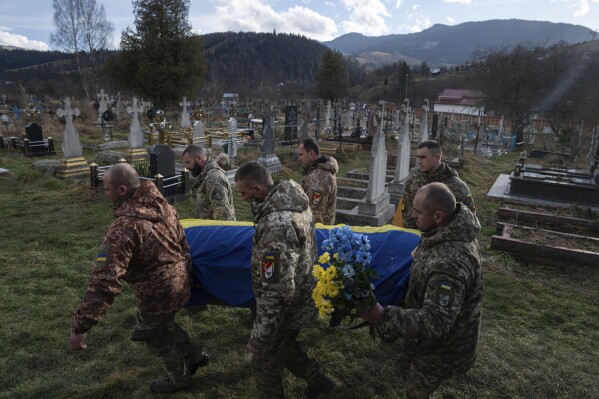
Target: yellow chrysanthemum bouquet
345 278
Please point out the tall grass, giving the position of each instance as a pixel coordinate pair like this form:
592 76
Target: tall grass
539 335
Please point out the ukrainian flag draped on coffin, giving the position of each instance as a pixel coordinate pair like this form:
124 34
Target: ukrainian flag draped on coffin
221 254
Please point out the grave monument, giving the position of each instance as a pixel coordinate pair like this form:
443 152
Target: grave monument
73 165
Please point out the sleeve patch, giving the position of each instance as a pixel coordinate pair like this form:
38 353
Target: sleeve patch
217 195
316 198
445 294
102 256
269 267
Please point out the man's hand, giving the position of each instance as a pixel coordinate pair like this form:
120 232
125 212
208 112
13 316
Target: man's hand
373 315
76 341
251 348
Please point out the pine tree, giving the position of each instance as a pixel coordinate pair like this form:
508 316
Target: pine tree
332 80
160 59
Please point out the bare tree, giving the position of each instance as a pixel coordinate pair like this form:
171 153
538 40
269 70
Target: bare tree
83 29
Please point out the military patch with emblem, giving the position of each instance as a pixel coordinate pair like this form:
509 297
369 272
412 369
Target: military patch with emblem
316 198
445 294
217 195
102 256
269 267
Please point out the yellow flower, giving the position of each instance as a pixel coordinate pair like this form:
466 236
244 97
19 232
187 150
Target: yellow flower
324 258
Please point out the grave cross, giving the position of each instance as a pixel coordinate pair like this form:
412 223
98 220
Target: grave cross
185 122
136 138
71 147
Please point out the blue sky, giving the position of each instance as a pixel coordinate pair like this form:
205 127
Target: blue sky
28 23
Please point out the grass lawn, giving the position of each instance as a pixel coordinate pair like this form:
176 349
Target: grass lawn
539 338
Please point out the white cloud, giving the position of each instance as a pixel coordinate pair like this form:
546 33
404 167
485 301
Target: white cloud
450 20
398 3
458 1
583 8
11 39
416 22
329 4
256 16
366 17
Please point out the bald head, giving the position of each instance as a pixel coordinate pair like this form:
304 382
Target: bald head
433 207
438 197
122 174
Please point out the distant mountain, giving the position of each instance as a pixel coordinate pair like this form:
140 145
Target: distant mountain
454 45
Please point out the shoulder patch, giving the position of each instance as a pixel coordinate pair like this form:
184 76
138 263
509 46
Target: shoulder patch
102 256
316 198
217 195
269 267
445 294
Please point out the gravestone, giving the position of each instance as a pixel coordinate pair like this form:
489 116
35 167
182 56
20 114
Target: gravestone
136 137
162 161
102 104
375 210
402 166
185 122
423 134
232 141
33 131
73 165
71 146
290 122
268 158
303 122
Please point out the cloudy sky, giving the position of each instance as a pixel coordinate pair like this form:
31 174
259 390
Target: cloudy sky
28 23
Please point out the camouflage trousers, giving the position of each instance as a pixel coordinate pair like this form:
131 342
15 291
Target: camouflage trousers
170 343
284 353
420 376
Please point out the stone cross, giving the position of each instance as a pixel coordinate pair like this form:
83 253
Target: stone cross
423 135
102 104
71 146
378 163
185 122
402 166
136 137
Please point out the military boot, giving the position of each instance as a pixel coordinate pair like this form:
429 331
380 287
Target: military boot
201 362
323 386
165 385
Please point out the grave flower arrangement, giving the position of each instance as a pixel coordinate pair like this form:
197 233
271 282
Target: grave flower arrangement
344 276
223 161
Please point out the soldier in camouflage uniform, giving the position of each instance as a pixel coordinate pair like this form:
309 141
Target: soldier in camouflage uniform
319 181
438 323
211 190
282 259
431 169
146 247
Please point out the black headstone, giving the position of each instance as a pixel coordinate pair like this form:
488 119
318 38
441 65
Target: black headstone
290 122
35 136
435 126
162 160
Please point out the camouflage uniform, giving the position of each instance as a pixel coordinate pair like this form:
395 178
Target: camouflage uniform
213 194
146 247
282 260
320 185
440 319
444 174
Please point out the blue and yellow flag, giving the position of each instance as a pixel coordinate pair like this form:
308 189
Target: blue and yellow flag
221 254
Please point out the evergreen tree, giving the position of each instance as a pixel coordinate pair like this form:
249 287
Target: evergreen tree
332 80
161 58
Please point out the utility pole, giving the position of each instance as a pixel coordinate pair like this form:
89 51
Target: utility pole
407 85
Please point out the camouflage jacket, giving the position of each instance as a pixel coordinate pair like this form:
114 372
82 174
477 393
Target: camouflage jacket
146 247
444 174
282 259
213 194
440 317
320 185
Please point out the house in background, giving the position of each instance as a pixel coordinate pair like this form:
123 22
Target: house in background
458 101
